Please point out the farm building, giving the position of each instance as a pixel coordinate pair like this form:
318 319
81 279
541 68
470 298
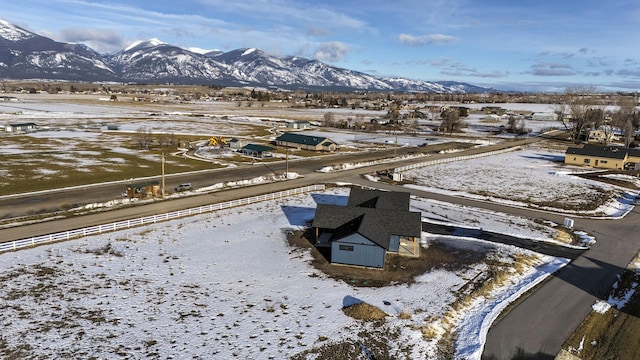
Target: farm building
257 151
372 224
299 125
542 116
603 157
306 142
21 127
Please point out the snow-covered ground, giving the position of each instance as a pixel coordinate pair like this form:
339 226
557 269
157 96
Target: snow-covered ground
533 177
227 284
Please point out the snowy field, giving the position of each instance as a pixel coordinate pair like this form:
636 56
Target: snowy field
228 285
534 177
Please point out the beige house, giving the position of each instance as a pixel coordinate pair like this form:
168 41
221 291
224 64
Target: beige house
599 137
603 157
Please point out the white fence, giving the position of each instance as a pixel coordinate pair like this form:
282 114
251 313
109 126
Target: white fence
125 224
448 160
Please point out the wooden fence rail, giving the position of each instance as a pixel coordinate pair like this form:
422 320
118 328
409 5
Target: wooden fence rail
147 220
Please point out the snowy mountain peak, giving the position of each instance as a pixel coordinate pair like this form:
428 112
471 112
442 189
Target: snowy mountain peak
141 44
11 32
249 51
201 51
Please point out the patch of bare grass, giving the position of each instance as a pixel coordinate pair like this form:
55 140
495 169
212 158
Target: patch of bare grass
613 334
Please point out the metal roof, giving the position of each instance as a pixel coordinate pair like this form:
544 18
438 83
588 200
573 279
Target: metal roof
301 139
257 148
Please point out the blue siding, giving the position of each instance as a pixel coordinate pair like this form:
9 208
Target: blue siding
363 253
394 243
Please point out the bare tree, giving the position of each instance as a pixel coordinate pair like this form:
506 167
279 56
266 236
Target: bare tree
450 121
144 137
328 120
576 103
627 118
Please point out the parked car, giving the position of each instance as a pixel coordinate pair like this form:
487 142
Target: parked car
183 187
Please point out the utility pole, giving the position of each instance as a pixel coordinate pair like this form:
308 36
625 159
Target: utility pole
286 161
163 176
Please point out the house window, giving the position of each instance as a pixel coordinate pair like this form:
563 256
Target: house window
586 161
603 161
346 247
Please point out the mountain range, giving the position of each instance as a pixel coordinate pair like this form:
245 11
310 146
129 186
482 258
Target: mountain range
26 55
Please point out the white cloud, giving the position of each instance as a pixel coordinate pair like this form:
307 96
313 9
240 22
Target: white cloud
97 39
332 51
438 39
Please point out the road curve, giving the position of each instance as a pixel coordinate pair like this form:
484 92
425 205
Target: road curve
539 324
534 329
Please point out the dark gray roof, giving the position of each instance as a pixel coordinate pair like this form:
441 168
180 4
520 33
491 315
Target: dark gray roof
374 214
394 200
257 148
634 152
610 152
301 139
376 225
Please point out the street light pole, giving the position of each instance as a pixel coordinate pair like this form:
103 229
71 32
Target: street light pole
162 175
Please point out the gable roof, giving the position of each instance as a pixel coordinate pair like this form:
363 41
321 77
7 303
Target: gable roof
394 200
376 225
257 148
301 139
373 214
610 152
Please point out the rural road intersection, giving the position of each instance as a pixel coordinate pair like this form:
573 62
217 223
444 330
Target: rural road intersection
535 328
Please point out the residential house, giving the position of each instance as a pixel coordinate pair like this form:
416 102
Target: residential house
602 157
306 142
633 159
599 137
373 224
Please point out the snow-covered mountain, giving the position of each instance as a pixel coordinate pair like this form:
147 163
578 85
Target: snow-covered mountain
156 62
25 55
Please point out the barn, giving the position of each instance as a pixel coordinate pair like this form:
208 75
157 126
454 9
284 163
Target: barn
306 142
373 224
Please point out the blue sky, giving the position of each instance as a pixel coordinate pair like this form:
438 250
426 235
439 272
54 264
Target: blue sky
512 45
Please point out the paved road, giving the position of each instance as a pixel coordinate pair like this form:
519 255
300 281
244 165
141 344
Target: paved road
538 326
21 204
534 329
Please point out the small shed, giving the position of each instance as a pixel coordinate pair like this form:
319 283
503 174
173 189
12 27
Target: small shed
236 143
299 125
144 190
257 151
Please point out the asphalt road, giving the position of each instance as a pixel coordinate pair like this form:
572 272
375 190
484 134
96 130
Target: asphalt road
537 326
18 205
534 329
